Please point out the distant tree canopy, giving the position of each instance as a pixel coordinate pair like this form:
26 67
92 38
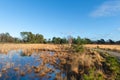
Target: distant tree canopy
29 37
6 37
80 41
101 41
58 40
32 38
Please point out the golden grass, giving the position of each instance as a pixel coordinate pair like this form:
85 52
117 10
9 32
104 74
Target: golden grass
78 63
81 62
111 47
4 48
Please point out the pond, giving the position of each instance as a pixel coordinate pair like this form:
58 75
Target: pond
15 65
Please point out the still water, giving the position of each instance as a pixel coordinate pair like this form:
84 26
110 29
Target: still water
16 66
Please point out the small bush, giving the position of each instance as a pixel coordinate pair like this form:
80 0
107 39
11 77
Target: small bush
94 75
113 66
78 48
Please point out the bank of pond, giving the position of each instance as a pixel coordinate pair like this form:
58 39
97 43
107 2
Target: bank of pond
51 65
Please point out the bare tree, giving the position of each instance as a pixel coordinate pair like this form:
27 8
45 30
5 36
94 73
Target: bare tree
70 40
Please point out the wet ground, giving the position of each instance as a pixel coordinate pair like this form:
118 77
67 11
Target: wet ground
17 66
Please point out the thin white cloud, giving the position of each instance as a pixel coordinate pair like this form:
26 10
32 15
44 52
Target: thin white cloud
108 8
118 29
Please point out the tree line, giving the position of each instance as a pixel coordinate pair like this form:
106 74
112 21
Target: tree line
29 37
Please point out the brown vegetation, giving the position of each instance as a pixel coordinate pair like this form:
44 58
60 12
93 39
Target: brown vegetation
77 65
29 48
107 47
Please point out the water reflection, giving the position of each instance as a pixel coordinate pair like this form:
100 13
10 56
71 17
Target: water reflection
19 66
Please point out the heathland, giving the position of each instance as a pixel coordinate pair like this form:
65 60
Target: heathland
34 57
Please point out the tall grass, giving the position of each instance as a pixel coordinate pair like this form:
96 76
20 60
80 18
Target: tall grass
88 64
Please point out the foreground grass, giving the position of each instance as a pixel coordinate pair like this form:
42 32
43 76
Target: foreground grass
78 63
87 64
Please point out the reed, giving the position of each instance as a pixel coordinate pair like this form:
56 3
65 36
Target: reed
42 74
107 47
4 69
4 48
0 74
22 73
16 69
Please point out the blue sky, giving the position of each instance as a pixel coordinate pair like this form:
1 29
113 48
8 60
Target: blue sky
94 19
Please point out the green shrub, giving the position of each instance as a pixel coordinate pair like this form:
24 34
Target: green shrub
89 76
78 48
94 75
113 66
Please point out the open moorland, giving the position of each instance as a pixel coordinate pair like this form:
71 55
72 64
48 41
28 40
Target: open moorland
56 62
28 47
59 40
103 46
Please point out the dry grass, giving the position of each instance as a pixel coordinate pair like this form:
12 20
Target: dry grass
86 60
110 47
4 48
